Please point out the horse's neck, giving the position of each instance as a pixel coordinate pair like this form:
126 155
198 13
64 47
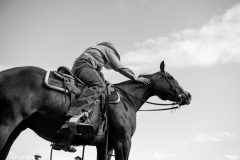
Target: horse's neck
138 90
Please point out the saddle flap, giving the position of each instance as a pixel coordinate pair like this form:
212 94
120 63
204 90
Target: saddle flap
55 82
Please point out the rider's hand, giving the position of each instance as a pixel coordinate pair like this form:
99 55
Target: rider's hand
143 80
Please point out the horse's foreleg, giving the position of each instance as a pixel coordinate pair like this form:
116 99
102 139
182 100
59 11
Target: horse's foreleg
101 154
122 149
4 134
7 139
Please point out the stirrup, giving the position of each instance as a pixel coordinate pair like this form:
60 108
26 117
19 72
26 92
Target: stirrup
85 128
81 124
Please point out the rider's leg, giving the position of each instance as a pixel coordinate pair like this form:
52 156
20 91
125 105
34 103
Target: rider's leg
91 93
96 87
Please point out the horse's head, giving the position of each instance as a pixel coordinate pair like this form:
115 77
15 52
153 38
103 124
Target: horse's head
167 88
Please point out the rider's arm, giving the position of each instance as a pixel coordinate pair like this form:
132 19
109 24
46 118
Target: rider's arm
117 65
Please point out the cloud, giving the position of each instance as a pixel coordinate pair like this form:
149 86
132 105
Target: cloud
204 138
216 42
232 157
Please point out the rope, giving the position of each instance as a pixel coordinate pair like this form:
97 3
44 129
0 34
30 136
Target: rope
107 124
162 109
159 104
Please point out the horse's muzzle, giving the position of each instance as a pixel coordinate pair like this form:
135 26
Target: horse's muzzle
184 99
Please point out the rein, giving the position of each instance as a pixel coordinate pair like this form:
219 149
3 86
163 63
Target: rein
159 104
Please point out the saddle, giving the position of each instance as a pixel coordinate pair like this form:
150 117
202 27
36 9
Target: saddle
63 80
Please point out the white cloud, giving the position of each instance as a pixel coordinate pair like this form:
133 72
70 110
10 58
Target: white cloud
232 157
216 42
218 137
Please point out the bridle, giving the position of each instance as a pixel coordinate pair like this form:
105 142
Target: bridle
176 105
163 73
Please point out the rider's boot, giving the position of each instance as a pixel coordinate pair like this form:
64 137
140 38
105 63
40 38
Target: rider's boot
66 148
69 148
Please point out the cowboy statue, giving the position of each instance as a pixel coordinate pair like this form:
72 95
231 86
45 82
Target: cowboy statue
87 67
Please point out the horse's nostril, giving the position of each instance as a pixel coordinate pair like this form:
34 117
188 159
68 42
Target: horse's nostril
189 96
179 98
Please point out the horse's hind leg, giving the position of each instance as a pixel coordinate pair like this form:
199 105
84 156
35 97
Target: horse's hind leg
5 132
7 138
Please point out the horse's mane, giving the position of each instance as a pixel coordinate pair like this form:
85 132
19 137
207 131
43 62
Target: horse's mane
132 81
125 82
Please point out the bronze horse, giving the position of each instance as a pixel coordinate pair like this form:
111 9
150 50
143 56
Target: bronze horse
25 102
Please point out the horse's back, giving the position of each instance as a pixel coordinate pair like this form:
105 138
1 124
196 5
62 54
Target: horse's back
19 73
14 76
17 80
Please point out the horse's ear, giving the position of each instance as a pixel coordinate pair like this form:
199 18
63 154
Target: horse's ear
162 66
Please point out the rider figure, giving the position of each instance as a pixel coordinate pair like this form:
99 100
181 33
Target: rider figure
87 67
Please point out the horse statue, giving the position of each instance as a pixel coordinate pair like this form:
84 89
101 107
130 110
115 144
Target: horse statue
26 102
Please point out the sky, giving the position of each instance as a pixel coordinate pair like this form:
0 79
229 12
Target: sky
198 39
